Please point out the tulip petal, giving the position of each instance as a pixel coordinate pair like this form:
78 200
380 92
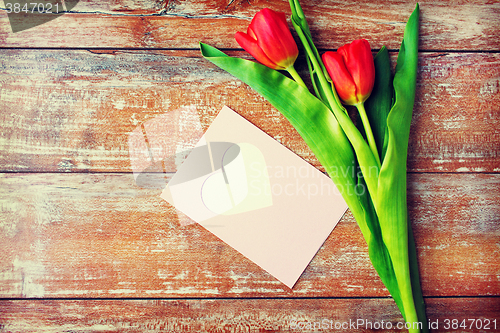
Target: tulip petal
274 37
342 79
358 59
251 33
251 46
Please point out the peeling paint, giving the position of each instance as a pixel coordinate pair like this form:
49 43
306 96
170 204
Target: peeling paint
31 272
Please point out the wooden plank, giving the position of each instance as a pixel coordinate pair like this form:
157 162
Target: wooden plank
242 315
99 235
73 110
445 25
84 248
443 113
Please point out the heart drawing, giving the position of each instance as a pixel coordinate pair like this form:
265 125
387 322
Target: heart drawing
28 14
221 178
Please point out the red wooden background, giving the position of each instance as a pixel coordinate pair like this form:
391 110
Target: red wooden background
83 248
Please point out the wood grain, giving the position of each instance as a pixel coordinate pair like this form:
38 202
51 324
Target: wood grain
445 25
238 316
73 110
100 235
84 248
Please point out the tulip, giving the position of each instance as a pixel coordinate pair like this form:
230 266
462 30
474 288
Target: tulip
269 41
352 70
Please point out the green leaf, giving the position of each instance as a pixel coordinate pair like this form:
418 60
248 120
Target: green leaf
322 82
323 86
379 255
415 280
321 131
391 204
380 212
380 102
326 92
308 115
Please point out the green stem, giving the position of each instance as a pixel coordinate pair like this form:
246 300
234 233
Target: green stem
368 131
366 158
296 76
322 80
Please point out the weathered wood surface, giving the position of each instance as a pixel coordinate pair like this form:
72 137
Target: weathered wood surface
445 25
72 110
99 235
84 249
238 316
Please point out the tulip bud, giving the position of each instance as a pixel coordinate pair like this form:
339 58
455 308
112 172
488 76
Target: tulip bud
269 40
352 70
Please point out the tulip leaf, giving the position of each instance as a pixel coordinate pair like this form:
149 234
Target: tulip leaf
312 119
381 212
391 204
321 131
380 102
325 90
379 256
319 76
415 280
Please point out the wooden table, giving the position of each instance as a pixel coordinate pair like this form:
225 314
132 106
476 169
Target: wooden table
84 249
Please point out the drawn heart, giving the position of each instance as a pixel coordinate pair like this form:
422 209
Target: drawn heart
26 14
241 184
220 178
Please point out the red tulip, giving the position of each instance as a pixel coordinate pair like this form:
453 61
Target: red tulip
269 40
352 70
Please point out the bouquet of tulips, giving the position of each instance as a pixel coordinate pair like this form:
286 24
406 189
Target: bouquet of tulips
376 193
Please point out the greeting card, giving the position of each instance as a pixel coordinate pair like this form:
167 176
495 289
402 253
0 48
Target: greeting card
257 196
